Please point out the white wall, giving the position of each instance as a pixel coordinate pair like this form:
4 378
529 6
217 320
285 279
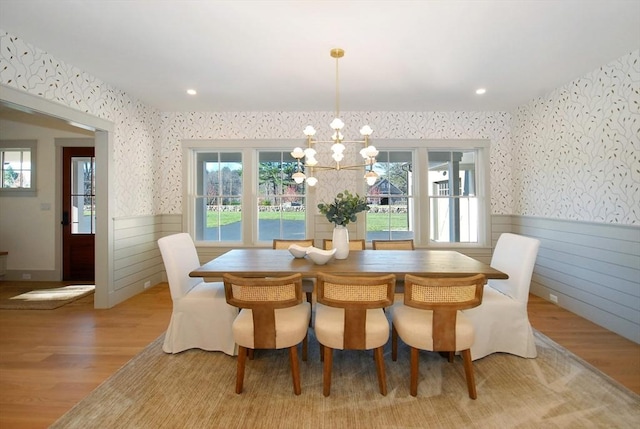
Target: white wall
28 225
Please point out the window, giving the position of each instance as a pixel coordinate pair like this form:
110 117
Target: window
390 199
18 158
435 192
240 192
218 199
281 202
453 199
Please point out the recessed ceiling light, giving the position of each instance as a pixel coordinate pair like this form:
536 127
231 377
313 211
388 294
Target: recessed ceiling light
480 91
191 91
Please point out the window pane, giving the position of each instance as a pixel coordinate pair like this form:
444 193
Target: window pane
218 204
83 195
453 197
16 168
281 201
390 198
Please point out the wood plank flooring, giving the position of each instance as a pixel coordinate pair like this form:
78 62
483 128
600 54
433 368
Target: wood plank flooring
51 359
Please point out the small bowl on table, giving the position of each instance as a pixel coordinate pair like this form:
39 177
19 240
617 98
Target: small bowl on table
320 256
298 251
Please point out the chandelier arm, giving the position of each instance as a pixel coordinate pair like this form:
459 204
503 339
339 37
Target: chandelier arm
328 167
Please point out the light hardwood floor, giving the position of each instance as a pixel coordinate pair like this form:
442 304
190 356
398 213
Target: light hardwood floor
51 359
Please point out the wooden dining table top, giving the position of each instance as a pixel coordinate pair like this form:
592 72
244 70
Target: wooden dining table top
261 262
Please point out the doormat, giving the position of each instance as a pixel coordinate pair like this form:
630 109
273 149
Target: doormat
28 298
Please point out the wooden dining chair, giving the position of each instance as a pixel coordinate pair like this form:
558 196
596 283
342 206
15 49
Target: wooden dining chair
358 244
430 319
307 284
279 243
393 244
272 316
350 316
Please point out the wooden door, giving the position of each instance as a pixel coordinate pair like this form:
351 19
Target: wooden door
78 213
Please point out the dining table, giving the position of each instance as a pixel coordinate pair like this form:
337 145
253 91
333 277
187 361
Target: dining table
262 262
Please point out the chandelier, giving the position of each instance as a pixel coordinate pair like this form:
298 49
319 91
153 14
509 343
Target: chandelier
368 152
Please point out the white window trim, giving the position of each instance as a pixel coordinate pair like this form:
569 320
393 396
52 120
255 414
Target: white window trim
420 147
32 145
249 150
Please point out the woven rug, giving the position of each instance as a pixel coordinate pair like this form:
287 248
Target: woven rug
196 389
13 296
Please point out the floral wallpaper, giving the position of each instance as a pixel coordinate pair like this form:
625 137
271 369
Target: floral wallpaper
493 126
577 150
30 69
572 154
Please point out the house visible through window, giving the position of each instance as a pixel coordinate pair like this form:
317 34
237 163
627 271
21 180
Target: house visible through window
435 192
391 202
18 158
434 195
453 198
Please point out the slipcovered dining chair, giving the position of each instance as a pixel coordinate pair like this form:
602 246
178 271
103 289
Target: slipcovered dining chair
501 322
201 317
429 319
272 316
357 244
349 315
393 244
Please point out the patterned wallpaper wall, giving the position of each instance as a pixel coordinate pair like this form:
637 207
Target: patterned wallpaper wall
577 150
137 129
406 125
577 147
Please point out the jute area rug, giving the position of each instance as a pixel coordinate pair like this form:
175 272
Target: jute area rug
196 389
25 296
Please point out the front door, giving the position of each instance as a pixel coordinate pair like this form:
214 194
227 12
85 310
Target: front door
78 213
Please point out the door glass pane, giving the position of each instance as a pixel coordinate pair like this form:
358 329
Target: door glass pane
83 212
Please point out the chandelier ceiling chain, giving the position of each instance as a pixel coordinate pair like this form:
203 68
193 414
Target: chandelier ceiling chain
369 152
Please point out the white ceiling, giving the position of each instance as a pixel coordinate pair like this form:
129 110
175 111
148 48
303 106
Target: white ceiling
274 55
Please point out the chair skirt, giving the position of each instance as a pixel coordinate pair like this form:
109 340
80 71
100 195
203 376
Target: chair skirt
502 325
202 319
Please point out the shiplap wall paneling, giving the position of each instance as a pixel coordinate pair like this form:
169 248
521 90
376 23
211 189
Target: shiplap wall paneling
592 268
137 258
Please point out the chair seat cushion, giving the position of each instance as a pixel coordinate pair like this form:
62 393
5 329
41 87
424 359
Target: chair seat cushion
415 325
329 327
291 326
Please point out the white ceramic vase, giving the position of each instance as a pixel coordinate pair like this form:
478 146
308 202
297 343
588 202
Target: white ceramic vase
341 241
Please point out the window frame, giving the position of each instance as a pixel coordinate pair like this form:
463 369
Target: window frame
22 145
249 150
421 214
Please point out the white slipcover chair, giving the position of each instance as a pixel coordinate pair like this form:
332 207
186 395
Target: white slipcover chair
201 317
501 321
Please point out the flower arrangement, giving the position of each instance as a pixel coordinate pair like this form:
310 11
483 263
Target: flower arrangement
344 208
